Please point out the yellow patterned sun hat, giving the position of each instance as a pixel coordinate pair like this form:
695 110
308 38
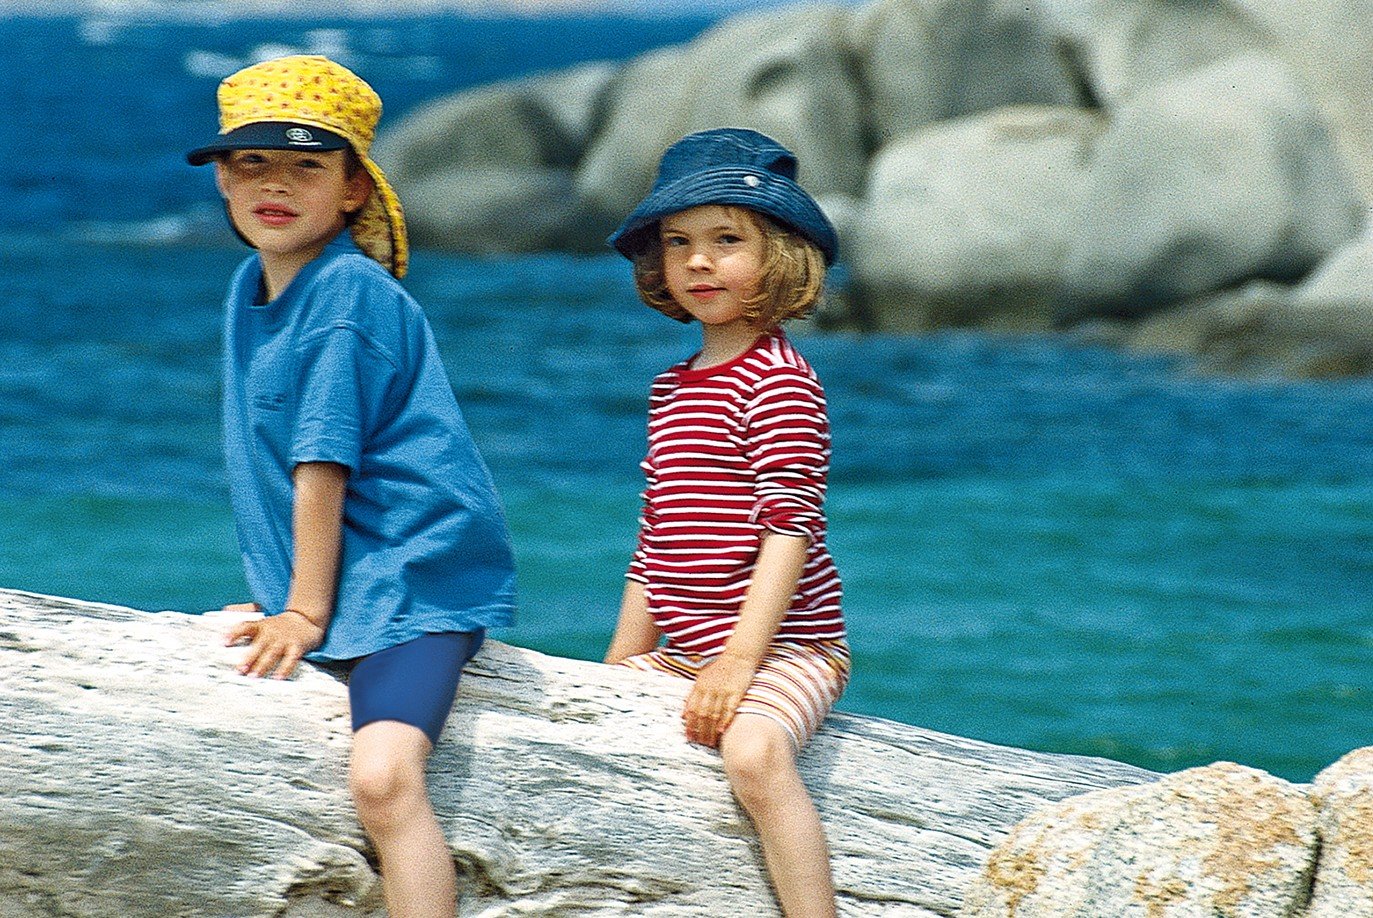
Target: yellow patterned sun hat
308 102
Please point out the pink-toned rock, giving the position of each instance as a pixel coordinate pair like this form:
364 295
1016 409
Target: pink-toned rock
1344 796
1223 840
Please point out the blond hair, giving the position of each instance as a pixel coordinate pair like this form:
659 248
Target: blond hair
790 282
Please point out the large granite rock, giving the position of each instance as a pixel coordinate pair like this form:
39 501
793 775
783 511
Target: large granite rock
491 170
1329 43
141 776
1219 840
491 209
545 121
1321 327
931 60
969 222
784 73
1260 329
1344 882
1346 276
1123 47
1218 176
1183 150
1223 840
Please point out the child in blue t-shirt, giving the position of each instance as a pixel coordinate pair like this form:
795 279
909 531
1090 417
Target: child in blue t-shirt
372 537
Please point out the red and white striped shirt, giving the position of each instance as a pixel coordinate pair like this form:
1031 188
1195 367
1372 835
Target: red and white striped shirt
734 450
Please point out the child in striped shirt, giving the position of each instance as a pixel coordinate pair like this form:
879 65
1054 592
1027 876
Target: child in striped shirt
731 566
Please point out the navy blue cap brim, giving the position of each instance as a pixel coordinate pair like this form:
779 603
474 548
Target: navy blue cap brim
757 189
269 135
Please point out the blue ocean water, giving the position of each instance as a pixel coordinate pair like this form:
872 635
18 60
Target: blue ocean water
1044 543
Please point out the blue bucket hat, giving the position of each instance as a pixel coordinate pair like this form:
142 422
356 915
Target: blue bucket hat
728 166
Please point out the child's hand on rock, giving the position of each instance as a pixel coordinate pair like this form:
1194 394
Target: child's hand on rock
276 643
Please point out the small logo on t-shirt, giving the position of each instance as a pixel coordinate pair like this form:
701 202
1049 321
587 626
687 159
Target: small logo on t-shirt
270 401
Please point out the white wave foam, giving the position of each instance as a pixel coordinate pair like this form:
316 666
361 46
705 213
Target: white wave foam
202 223
221 10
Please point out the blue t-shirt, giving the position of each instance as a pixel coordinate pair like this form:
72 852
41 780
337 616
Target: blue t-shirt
342 367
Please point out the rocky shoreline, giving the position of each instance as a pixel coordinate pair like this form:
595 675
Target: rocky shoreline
1192 177
141 776
1219 840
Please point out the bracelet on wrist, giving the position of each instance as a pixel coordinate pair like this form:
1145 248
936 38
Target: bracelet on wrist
304 616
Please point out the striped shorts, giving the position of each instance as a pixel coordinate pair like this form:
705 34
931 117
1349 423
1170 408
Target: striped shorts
796 684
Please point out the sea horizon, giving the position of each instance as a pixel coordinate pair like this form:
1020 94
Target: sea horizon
363 10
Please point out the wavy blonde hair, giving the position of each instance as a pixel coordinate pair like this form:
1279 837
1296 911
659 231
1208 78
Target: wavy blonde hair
790 285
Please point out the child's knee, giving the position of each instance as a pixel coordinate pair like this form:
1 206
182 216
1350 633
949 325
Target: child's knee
755 755
378 782
383 773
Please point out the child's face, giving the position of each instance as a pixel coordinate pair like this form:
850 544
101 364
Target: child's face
289 204
712 260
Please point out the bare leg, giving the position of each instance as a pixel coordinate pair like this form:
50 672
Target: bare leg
387 780
761 766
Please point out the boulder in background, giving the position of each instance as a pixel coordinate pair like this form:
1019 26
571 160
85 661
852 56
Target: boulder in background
1329 44
932 60
784 73
1123 47
968 222
490 170
1260 329
1218 176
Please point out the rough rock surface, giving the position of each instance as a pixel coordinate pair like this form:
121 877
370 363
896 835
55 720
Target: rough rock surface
1124 47
141 776
1344 881
1217 144
786 74
970 221
495 209
1222 840
923 61
1218 176
1329 43
1261 329
491 170
1345 277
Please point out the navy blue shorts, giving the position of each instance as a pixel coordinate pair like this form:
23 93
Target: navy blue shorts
414 683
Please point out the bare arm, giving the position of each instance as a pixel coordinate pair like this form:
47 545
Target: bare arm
279 641
721 685
317 528
635 632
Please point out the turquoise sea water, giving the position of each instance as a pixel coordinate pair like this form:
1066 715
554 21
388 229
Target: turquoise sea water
1044 543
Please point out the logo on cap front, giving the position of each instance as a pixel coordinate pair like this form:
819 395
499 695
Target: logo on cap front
299 135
